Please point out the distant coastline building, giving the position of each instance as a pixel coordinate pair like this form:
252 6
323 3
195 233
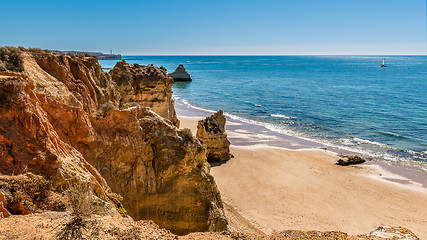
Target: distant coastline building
99 55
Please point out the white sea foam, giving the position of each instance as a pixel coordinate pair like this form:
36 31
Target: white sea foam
280 116
362 141
198 108
350 144
230 116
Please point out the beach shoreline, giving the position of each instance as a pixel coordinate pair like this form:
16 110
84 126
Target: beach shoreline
279 184
246 134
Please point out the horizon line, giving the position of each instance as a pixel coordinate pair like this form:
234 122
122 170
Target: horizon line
272 54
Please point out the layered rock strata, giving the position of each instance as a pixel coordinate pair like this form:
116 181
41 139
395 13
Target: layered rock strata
66 121
162 173
30 144
180 74
211 132
145 86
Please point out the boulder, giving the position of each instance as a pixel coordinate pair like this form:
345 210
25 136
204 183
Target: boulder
349 160
380 233
180 74
386 232
211 133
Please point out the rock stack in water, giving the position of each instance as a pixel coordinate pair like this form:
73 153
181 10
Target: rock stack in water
180 74
211 132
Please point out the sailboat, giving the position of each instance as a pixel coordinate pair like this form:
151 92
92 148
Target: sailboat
383 63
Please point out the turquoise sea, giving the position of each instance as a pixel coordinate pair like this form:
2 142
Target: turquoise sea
345 102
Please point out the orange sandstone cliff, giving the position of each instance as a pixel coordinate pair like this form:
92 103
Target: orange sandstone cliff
65 122
145 86
211 133
79 146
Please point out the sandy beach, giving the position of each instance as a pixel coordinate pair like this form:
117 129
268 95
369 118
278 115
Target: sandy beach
269 188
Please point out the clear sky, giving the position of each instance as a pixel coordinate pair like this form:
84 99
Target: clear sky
202 27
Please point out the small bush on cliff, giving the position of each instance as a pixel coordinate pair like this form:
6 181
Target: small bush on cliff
25 193
119 206
81 200
10 59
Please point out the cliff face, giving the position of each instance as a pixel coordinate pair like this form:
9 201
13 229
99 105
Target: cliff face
73 81
211 132
145 86
161 172
69 122
30 144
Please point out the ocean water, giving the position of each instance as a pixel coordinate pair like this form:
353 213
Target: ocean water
346 102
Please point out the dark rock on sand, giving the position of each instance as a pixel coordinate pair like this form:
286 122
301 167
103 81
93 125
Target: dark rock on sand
349 160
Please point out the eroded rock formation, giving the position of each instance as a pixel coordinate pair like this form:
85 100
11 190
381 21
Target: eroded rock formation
30 144
161 172
145 86
67 122
66 129
211 132
180 74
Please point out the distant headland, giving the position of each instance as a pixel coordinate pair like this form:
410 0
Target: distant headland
98 55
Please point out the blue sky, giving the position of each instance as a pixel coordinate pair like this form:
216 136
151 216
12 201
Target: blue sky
244 27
